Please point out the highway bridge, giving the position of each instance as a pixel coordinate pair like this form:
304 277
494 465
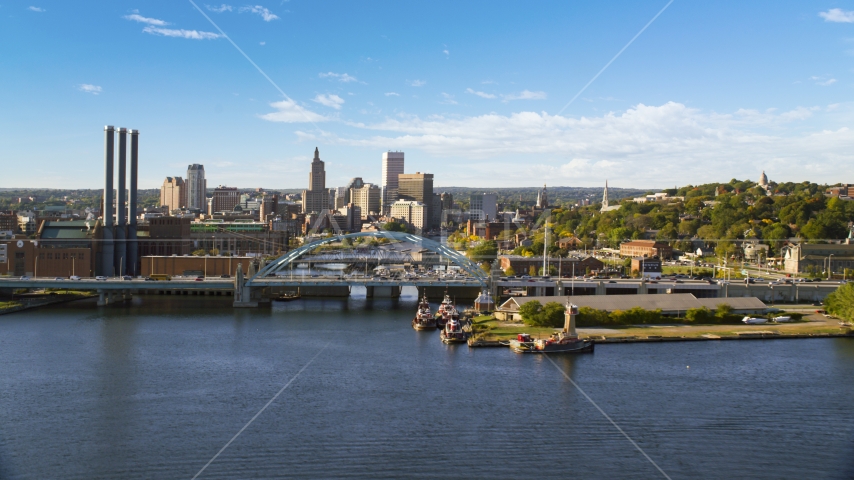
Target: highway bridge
289 273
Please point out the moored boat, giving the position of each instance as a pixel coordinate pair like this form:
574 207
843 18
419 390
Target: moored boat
446 310
454 331
424 320
565 341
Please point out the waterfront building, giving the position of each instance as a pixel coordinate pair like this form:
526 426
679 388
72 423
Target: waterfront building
197 187
412 212
166 236
316 198
392 168
224 199
173 193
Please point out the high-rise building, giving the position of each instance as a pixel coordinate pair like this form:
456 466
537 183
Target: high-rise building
417 187
367 198
483 206
316 198
392 168
414 213
224 199
197 187
173 193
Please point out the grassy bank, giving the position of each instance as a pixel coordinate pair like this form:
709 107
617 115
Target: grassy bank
490 329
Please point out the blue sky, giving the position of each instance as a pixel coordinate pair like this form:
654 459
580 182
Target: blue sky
473 92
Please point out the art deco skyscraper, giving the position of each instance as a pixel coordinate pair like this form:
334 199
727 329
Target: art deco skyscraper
316 198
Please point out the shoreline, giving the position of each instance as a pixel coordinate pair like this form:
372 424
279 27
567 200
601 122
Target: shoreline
42 301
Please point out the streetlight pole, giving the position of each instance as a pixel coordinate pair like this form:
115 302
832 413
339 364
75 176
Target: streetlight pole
830 266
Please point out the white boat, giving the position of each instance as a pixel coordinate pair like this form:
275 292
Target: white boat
754 320
783 319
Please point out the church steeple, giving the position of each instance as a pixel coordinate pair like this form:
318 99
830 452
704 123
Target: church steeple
605 195
316 154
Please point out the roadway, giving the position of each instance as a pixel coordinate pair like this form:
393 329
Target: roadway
116 283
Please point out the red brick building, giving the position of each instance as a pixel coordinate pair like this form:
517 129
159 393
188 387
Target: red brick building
646 248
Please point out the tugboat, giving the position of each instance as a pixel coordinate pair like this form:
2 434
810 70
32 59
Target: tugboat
565 341
446 307
424 320
455 331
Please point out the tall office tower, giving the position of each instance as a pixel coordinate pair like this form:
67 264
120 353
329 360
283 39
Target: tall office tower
224 199
483 206
316 198
173 193
197 187
367 197
392 168
417 187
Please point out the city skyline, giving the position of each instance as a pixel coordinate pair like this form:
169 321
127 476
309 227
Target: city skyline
704 93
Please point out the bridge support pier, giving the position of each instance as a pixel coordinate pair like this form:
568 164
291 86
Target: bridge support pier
383 292
102 298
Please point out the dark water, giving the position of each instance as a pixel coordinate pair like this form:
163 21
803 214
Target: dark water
155 389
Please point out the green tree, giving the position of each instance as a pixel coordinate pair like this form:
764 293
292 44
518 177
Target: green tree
486 251
841 302
538 315
395 227
510 272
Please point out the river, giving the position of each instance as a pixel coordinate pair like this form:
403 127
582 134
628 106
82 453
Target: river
155 388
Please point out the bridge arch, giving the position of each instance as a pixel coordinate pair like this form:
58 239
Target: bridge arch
454 256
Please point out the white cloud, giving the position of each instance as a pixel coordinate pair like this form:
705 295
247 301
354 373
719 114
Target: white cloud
837 15
290 112
341 77
823 80
392 94
524 95
489 82
171 32
480 94
219 9
93 89
448 99
35 9
650 145
262 43
150 21
446 52
333 101
417 83
265 13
